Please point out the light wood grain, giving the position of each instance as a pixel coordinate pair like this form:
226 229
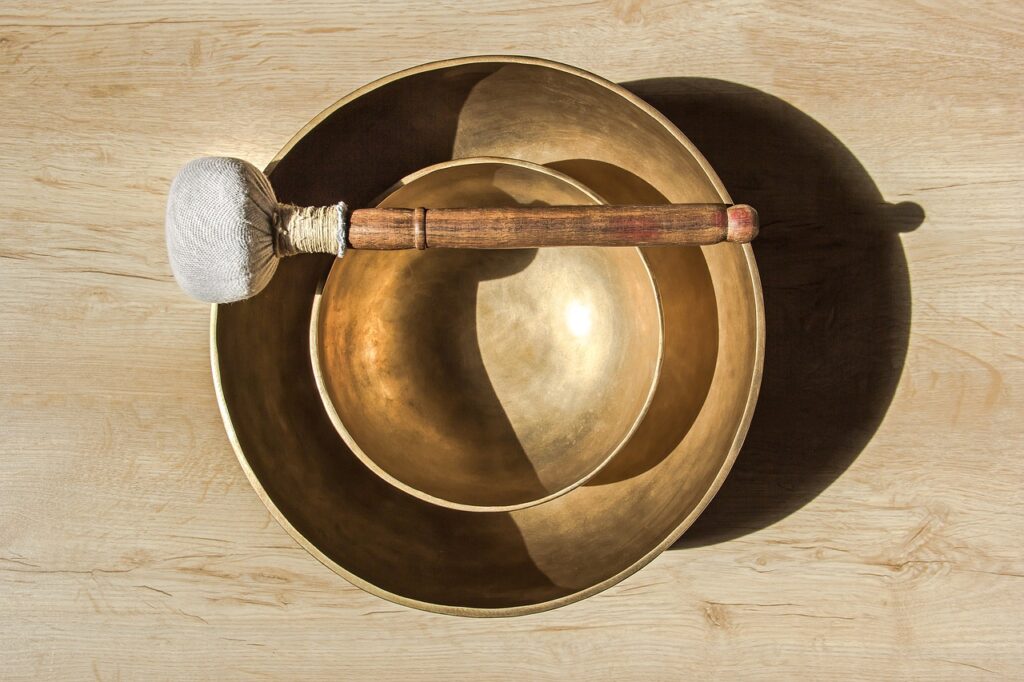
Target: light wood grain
131 545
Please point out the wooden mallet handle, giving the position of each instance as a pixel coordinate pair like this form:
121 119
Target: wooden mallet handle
517 228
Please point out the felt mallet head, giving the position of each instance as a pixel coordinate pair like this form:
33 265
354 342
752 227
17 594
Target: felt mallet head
226 229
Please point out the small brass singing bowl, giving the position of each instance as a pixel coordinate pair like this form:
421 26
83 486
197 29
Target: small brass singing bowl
487 380
413 552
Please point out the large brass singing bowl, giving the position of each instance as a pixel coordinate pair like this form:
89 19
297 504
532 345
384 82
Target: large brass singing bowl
487 380
399 546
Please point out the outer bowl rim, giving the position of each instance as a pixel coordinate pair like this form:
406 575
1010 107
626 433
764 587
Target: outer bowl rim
741 428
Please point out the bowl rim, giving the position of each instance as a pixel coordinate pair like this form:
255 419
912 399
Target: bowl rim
357 450
741 428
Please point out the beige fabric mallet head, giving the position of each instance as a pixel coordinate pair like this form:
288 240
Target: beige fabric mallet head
226 229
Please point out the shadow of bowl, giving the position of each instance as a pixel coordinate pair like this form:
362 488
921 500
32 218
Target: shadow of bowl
836 295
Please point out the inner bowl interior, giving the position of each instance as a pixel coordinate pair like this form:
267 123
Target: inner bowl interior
486 379
420 554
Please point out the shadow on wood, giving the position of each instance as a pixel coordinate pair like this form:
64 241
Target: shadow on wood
836 293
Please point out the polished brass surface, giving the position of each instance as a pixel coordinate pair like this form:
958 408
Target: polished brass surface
503 563
487 380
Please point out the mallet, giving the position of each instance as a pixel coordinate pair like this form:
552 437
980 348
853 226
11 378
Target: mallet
226 230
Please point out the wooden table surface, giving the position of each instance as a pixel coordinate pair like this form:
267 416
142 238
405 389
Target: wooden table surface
873 524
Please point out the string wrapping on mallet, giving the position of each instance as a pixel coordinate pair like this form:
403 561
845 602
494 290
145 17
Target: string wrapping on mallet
342 227
310 229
